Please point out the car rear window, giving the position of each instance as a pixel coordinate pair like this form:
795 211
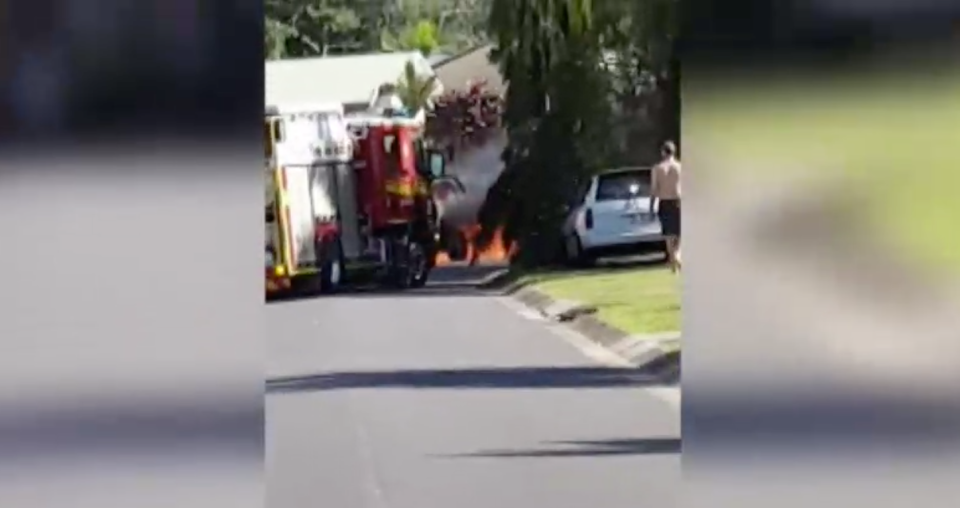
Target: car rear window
616 186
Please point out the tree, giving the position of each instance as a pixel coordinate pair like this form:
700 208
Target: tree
640 38
592 83
422 37
557 107
657 28
298 28
295 28
416 89
276 36
433 26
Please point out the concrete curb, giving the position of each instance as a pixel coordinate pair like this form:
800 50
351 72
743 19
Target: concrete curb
659 352
501 280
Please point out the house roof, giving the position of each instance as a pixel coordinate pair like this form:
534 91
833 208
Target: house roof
347 79
457 72
437 58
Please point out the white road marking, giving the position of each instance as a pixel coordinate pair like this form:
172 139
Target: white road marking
373 483
669 394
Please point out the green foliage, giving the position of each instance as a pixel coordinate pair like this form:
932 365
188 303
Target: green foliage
300 28
556 112
648 71
414 89
311 27
573 67
276 35
423 37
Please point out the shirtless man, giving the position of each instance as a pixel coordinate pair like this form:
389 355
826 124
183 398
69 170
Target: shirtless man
665 189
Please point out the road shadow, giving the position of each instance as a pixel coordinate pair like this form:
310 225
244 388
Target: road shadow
667 367
631 262
484 279
372 292
467 379
464 273
615 265
573 449
448 290
185 427
452 280
834 418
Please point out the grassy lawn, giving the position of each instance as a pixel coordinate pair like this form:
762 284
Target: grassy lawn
895 136
636 300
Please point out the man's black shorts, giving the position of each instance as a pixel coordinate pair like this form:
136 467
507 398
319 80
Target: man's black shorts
669 215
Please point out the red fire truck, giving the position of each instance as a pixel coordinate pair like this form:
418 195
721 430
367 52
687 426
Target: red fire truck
348 200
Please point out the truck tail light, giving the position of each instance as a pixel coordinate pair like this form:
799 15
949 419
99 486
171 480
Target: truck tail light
588 219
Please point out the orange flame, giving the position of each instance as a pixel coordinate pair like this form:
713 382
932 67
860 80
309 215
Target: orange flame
497 251
441 259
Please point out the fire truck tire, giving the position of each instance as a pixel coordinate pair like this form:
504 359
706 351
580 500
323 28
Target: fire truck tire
421 273
332 270
419 262
410 268
397 273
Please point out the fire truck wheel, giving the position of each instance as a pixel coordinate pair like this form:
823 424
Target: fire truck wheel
420 264
331 273
410 268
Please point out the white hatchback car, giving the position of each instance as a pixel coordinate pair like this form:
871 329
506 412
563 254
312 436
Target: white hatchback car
612 217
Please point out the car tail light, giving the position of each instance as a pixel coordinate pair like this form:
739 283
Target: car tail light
588 219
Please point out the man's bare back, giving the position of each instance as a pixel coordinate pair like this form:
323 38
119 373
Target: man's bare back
666 179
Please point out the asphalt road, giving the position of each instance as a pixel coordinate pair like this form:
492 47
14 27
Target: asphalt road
446 397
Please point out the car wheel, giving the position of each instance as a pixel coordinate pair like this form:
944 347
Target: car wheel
576 255
571 245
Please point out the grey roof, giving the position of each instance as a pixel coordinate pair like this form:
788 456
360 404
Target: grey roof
437 58
347 79
458 71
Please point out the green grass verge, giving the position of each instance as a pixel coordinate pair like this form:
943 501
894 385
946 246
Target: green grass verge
641 300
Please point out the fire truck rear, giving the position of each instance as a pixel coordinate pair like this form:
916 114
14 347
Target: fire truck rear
348 200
